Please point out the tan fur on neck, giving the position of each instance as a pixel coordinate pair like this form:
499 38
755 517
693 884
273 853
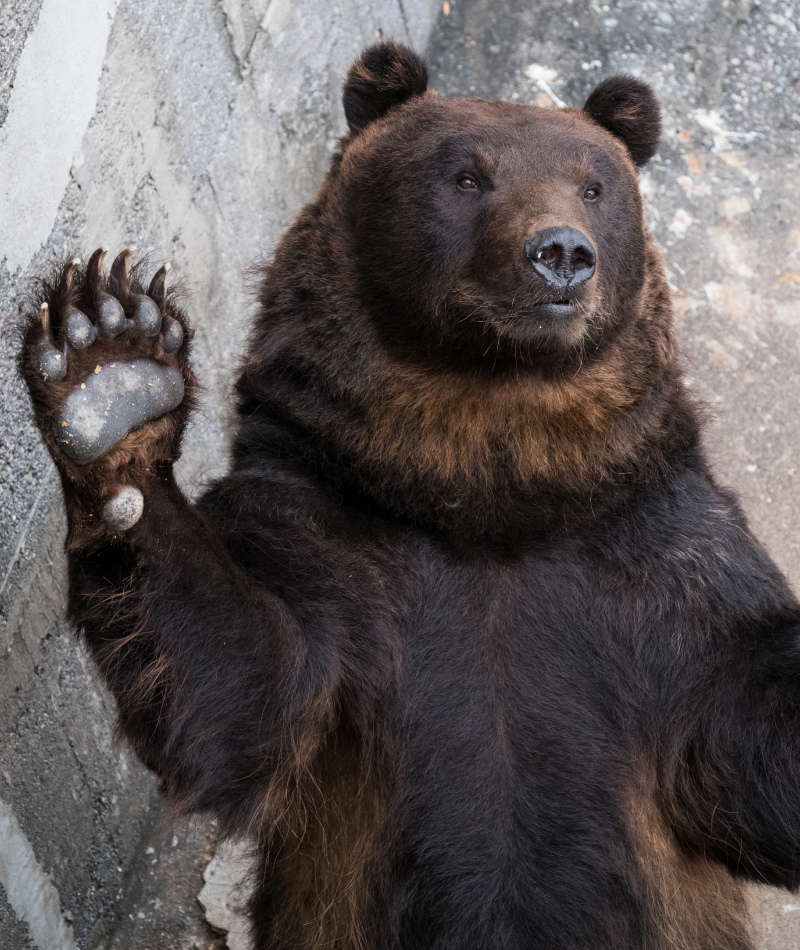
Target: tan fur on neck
449 427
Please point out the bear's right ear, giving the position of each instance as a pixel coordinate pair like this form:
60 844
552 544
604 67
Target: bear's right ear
383 76
626 107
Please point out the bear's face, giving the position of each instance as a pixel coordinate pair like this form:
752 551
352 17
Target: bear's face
496 230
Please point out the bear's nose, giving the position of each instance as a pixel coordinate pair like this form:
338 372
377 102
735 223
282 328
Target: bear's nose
563 256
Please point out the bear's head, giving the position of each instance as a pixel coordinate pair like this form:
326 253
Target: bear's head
492 227
470 324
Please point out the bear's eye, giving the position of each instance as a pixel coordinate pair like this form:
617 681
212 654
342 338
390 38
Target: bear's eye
592 194
466 182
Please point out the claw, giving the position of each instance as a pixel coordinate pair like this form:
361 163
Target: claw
121 267
44 317
52 364
112 316
158 285
69 275
95 265
80 331
172 337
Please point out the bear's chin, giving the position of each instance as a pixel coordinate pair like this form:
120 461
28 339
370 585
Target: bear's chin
520 322
549 328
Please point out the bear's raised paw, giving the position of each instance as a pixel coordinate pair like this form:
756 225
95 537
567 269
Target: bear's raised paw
107 367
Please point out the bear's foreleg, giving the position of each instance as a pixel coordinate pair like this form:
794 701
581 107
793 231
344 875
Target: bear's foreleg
732 783
206 666
198 658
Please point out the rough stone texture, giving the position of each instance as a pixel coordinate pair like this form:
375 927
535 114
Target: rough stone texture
725 210
17 21
226 891
194 129
162 910
14 931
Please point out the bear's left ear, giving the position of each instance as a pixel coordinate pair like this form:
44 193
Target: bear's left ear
626 107
383 76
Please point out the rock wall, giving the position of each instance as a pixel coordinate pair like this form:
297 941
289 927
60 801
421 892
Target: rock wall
194 129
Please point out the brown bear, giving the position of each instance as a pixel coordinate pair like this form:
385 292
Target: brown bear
468 639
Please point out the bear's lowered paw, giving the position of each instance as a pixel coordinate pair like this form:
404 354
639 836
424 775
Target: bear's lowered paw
106 364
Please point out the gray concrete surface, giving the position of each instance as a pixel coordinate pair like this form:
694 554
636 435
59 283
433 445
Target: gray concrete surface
724 208
194 129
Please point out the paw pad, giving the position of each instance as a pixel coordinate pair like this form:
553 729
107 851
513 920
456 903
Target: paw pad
173 337
111 403
81 331
148 316
112 317
123 511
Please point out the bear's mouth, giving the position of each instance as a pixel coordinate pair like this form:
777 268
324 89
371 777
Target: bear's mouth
555 309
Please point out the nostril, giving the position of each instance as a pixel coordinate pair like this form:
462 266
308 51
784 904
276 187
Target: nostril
581 258
550 255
